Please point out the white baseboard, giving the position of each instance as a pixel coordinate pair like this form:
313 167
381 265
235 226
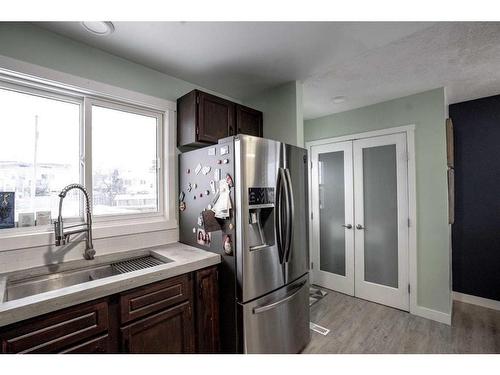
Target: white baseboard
427 313
479 301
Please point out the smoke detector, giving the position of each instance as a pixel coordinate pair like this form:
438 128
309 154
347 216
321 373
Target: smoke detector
98 27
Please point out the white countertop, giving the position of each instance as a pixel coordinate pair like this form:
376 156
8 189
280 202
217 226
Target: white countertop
184 259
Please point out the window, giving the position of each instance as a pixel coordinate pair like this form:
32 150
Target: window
39 155
124 162
47 143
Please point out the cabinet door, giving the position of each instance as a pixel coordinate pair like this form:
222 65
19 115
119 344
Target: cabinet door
215 118
207 310
186 119
248 121
169 331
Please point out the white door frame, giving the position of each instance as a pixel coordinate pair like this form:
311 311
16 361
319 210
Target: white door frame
344 284
412 194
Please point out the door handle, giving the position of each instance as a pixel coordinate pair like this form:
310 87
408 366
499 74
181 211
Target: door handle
286 226
260 309
278 215
359 226
290 213
348 226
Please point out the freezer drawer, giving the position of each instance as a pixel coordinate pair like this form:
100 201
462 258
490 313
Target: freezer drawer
278 322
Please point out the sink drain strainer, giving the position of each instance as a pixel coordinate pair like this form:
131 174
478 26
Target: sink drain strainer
136 264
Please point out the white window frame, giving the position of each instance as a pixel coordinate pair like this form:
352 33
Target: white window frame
88 103
40 92
33 79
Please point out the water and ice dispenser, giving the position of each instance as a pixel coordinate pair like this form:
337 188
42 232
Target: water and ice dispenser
260 217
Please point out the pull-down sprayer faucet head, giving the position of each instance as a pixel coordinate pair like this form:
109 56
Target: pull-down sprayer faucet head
63 238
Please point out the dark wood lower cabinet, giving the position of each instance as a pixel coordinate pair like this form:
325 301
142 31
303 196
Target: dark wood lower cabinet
54 332
147 299
207 310
96 345
169 331
161 317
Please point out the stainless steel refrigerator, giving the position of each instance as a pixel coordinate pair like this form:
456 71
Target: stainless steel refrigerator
262 238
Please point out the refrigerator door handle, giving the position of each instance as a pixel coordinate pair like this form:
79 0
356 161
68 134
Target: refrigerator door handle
295 291
290 214
278 216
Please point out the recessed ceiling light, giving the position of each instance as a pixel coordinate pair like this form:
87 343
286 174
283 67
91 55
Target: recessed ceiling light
339 99
99 27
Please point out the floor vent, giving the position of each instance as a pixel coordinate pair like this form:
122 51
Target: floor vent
317 328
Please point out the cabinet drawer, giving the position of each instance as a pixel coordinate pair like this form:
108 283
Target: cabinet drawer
94 346
154 297
52 332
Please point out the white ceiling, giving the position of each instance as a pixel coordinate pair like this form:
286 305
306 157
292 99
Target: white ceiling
366 62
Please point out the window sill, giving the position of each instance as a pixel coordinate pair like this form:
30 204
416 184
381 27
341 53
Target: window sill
14 240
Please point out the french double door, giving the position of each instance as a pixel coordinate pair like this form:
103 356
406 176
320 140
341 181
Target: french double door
360 218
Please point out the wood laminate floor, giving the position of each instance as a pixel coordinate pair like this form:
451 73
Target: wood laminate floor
359 326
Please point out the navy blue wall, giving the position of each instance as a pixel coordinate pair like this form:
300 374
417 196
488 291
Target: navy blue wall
476 232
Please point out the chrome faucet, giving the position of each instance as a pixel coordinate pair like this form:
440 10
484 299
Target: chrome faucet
62 238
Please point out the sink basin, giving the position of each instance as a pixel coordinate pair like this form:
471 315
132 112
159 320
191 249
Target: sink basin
16 289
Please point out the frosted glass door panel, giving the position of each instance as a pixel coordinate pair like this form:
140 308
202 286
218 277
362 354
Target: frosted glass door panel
332 216
380 215
332 213
381 218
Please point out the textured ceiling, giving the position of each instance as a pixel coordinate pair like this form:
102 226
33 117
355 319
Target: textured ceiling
366 62
463 57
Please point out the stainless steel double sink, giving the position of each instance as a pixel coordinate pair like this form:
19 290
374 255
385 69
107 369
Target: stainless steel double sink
29 286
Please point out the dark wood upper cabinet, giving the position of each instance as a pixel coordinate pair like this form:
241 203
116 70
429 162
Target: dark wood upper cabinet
203 119
215 118
248 121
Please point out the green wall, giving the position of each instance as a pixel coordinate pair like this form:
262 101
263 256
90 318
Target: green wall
427 111
32 44
282 108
